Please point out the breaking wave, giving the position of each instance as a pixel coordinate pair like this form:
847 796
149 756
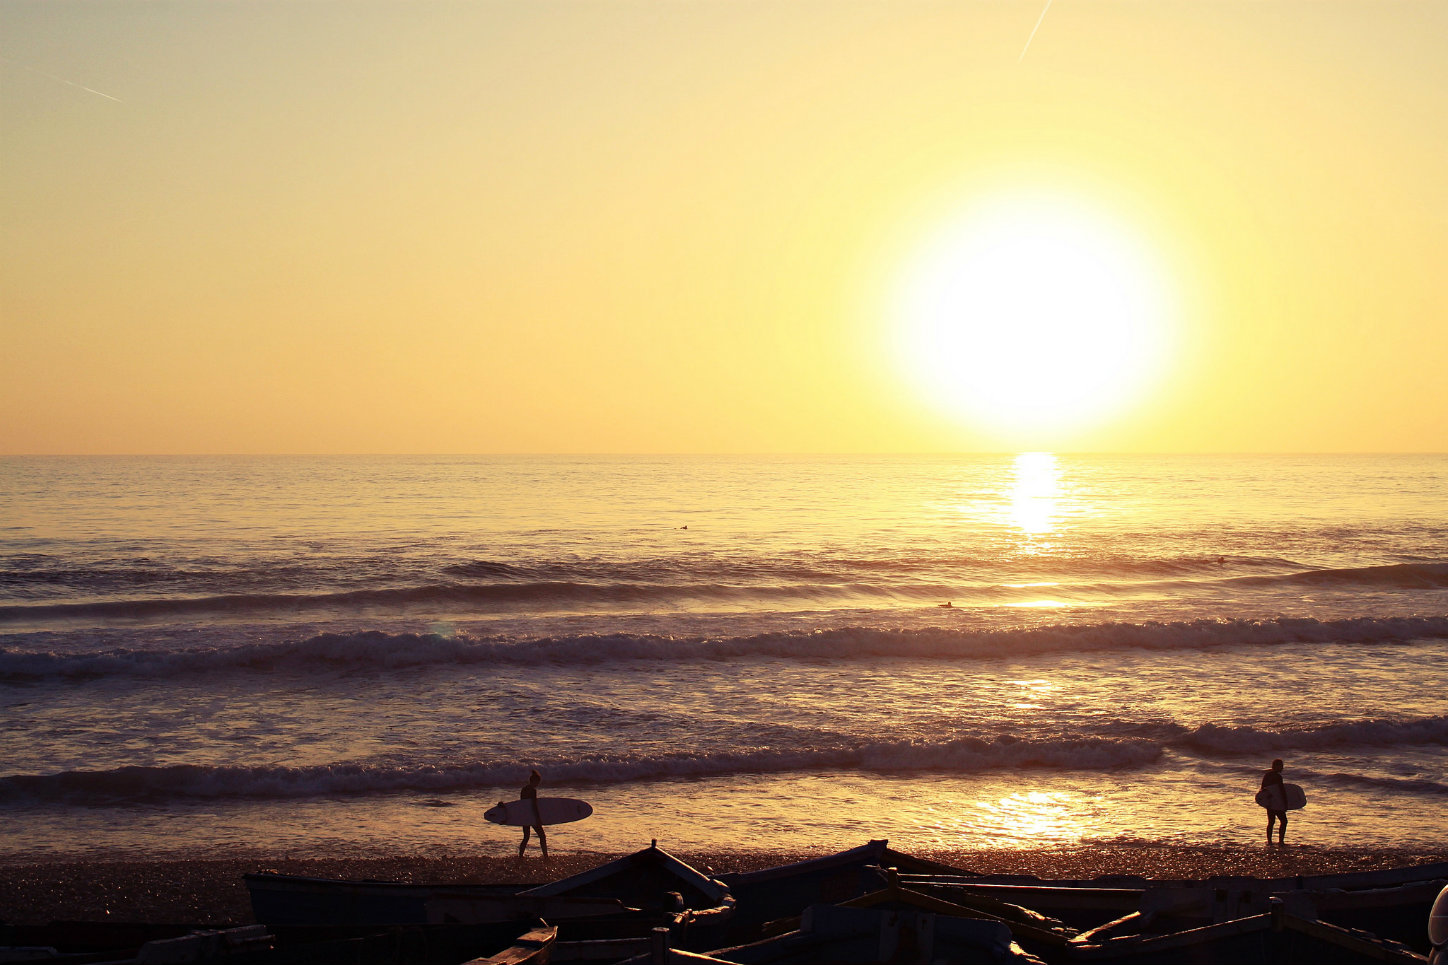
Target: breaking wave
1408 576
378 650
1077 752
1217 738
117 592
199 781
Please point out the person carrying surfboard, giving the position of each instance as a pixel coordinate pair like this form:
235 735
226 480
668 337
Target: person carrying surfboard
1269 778
530 791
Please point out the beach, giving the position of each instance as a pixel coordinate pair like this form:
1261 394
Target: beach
337 669
210 891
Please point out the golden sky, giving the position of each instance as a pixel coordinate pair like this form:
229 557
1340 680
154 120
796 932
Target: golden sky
690 225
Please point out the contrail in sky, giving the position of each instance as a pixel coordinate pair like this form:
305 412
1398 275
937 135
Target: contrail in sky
62 80
1039 20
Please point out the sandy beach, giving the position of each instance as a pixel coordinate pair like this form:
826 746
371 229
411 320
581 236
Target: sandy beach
210 890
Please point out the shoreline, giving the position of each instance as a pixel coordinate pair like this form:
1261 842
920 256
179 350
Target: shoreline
210 891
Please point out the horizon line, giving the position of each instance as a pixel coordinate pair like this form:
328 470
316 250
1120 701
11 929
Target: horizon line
751 454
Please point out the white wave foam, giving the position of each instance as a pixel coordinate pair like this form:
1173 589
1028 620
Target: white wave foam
196 781
1217 738
957 755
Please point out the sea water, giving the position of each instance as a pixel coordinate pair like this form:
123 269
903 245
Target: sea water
307 655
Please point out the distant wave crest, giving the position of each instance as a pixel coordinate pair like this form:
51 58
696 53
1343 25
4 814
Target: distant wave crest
109 593
1408 576
378 650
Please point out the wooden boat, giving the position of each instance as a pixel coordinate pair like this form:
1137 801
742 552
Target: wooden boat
1037 934
508 943
665 891
1276 937
649 879
282 900
1392 903
786 890
843 934
444 944
529 948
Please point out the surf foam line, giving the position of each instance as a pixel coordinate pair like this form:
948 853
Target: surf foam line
647 583
183 781
1230 739
203 577
377 650
1132 748
1413 786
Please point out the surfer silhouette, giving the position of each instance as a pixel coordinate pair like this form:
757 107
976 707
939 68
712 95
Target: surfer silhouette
1269 778
530 790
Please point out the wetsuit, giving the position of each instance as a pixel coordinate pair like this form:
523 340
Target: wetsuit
1269 778
530 791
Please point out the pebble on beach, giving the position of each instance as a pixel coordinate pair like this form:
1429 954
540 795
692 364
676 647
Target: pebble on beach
210 891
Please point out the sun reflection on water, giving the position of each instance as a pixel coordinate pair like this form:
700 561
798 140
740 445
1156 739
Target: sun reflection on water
1019 819
1035 492
1034 816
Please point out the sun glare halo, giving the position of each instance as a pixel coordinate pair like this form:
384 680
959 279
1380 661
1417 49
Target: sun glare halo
1032 315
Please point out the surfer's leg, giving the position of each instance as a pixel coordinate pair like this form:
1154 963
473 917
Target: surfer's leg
1281 827
526 831
1271 820
543 838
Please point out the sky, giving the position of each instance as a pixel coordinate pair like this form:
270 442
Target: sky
711 226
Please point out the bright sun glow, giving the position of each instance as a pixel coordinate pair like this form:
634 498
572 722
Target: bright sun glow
1033 314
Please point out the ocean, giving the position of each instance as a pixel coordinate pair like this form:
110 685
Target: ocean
303 655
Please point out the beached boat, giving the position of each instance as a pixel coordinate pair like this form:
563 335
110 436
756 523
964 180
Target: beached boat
845 934
283 900
1276 937
785 891
1393 903
665 891
509 943
446 944
529 948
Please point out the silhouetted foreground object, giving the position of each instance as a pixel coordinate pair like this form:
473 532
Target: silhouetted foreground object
1438 929
1282 797
521 942
866 905
552 810
1278 800
528 801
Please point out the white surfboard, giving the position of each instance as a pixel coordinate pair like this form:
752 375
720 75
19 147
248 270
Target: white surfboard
551 810
1271 797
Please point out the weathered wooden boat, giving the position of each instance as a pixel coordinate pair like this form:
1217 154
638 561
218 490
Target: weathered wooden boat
508 943
665 892
1392 903
282 900
529 948
1276 937
786 890
1082 906
1037 934
844 934
438 944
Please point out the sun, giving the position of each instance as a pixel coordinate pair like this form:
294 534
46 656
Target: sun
1031 315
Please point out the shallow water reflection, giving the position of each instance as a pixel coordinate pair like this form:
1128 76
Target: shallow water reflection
1054 816
1035 492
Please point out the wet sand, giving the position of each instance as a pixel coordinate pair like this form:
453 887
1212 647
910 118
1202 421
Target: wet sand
210 890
